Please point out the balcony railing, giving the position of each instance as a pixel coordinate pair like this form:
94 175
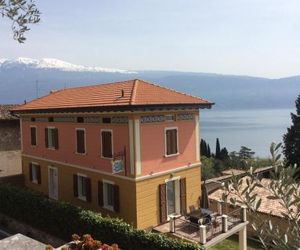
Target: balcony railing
207 229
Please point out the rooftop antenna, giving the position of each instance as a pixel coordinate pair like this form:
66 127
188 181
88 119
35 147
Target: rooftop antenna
65 85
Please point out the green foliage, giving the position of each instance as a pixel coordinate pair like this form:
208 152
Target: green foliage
284 189
22 13
218 149
207 168
291 139
63 219
204 148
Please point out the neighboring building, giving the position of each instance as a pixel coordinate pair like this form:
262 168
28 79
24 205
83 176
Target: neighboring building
10 146
127 149
269 209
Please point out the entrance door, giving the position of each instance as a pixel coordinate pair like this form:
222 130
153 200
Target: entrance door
173 203
53 182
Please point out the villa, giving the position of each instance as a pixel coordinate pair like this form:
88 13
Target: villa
127 149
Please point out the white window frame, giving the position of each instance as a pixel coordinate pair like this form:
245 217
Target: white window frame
79 190
34 169
177 195
171 128
36 137
112 143
56 169
52 147
85 149
105 199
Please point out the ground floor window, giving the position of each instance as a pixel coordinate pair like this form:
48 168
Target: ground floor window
108 193
172 198
82 187
35 173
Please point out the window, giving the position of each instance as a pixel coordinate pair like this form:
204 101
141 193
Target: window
33 136
106 120
171 141
80 119
51 138
80 139
108 195
35 173
50 119
32 119
82 187
106 144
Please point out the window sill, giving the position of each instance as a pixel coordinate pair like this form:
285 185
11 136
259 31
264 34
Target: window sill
167 156
34 182
82 198
51 148
80 153
106 158
110 208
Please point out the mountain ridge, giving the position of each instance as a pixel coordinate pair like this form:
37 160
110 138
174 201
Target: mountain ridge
25 78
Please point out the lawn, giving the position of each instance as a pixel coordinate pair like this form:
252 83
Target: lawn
232 243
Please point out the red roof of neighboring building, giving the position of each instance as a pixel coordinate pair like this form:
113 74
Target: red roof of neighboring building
125 93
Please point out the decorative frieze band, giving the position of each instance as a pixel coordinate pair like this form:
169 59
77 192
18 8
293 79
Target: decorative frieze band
163 118
186 116
87 119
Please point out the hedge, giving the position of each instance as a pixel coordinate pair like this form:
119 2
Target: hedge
62 219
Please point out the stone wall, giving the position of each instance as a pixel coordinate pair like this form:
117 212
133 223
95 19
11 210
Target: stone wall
10 163
10 135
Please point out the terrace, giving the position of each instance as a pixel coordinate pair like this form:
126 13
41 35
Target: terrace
210 229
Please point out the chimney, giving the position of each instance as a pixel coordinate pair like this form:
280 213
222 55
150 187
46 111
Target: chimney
122 92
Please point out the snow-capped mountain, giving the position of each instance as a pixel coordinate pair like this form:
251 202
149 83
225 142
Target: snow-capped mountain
25 78
52 63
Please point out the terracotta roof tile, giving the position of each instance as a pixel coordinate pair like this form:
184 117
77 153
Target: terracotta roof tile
135 92
267 206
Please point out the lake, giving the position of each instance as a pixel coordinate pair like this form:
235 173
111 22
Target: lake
255 129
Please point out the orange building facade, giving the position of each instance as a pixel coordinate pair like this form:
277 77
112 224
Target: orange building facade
127 149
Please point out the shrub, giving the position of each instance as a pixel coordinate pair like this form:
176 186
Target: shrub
61 219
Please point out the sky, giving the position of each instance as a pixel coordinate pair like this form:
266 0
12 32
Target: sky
240 37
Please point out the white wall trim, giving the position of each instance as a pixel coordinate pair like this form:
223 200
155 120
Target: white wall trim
140 178
137 140
21 133
131 145
197 134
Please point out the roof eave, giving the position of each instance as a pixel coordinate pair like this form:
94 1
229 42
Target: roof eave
148 107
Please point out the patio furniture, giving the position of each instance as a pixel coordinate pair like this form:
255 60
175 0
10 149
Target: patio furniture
204 214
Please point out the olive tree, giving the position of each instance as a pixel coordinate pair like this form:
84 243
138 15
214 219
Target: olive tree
283 188
22 13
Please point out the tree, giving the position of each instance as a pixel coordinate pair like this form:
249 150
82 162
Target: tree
246 153
224 154
22 13
284 190
218 149
203 148
208 151
291 139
